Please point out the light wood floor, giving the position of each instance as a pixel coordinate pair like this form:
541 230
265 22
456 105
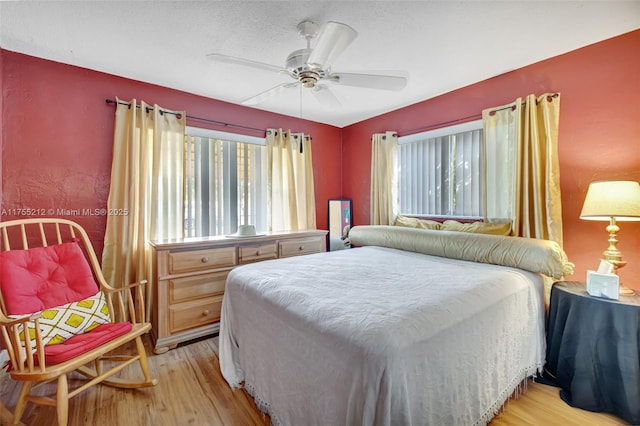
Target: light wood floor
191 391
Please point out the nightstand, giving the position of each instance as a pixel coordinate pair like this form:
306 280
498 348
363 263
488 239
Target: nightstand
593 350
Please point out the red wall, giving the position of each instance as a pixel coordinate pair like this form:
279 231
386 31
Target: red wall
599 136
57 136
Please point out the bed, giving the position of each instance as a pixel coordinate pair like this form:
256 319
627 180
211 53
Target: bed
412 327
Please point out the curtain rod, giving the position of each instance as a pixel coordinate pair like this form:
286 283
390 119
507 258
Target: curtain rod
208 120
408 132
437 125
476 116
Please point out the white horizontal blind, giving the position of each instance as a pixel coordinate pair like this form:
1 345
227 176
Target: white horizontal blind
225 186
442 175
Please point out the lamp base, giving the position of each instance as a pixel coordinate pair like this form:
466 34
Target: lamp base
625 291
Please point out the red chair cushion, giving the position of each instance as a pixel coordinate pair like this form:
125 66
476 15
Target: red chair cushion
44 277
77 345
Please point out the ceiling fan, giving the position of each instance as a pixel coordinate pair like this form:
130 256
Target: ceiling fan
311 67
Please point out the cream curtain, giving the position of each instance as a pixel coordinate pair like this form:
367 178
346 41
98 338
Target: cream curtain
500 130
523 171
291 194
384 178
145 198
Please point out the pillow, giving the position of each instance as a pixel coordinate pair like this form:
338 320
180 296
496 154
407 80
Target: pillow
477 227
531 254
61 323
414 222
44 277
55 354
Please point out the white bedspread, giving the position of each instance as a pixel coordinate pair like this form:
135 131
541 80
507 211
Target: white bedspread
379 336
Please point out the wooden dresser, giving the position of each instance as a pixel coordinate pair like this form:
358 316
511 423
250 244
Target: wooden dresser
190 275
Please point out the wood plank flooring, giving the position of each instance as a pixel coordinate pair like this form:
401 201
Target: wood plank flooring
192 391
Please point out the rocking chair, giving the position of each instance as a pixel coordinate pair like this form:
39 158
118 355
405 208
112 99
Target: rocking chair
55 319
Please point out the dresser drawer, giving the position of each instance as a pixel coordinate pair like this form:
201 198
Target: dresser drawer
196 286
200 260
299 246
196 313
256 252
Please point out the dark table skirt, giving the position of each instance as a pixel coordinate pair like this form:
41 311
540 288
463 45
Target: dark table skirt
593 350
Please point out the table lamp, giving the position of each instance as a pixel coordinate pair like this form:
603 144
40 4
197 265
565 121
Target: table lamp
613 201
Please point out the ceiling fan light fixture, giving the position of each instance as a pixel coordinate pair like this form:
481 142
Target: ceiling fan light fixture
298 68
308 78
297 60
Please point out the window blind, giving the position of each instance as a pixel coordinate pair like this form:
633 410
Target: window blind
224 186
442 175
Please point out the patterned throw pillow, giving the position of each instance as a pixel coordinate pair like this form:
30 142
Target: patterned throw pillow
61 323
477 227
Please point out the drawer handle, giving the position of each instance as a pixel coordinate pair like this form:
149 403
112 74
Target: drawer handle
205 259
257 252
205 313
301 248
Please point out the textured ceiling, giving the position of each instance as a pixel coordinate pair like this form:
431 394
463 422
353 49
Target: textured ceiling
442 45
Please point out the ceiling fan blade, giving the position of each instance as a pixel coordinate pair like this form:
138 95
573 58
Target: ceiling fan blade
334 37
325 96
263 96
371 81
244 62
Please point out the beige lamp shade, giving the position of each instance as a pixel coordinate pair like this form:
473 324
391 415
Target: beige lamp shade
606 199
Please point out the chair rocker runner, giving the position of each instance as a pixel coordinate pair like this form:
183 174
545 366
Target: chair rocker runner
59 315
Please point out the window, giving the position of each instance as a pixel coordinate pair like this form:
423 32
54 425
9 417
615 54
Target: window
441 172
225 182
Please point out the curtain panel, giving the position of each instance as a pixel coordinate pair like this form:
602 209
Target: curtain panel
384 178
290 193
146 193
523 170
